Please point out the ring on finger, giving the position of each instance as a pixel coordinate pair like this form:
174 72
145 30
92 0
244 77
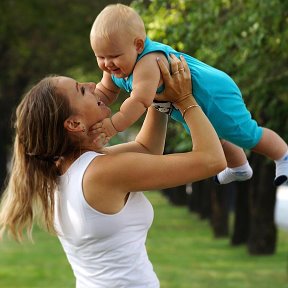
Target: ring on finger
181 69
176 72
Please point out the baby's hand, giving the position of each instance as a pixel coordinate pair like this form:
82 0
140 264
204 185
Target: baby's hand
97 139
100 141
106 127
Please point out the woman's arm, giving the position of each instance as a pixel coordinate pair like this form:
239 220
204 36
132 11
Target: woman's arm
151 137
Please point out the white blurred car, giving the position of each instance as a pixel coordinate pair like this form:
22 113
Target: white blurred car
281 207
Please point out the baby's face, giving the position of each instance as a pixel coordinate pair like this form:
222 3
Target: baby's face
116 55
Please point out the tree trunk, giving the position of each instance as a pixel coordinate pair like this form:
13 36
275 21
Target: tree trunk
8 98
199 199
176 195
242 214
3 163
220 209
194 197
262 239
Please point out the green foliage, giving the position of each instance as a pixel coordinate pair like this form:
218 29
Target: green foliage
38 38
246 39
45 37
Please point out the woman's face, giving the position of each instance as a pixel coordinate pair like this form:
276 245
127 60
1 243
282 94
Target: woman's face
84 100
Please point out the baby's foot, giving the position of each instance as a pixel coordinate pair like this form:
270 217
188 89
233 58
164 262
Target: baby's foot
280 180
241 173
281 170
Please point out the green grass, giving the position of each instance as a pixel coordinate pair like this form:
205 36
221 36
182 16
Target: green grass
181 248
42 264
185 254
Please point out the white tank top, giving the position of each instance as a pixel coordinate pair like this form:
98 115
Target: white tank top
103 250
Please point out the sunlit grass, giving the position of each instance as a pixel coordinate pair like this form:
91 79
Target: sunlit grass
42 264
181 247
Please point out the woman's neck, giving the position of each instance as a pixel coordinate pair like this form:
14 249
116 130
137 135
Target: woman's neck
66 161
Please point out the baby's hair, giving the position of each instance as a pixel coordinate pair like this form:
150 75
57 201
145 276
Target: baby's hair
118 18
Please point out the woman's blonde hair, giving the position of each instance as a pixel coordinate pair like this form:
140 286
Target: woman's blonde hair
40 140
117 18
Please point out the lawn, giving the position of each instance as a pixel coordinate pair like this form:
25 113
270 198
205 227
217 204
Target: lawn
181 247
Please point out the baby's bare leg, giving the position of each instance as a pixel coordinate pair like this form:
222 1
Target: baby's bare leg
238 167
271 145
235 156
275 148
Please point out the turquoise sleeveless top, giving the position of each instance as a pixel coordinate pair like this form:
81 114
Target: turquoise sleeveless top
216 93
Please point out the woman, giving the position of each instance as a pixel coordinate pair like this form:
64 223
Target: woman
87 194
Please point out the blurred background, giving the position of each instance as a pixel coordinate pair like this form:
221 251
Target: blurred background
245 38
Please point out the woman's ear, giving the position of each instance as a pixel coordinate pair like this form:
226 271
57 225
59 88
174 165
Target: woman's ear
139 45
73 125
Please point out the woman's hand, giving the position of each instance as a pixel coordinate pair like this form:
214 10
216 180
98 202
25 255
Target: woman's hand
178 84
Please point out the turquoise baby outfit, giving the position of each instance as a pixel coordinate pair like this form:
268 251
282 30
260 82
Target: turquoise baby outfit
216 93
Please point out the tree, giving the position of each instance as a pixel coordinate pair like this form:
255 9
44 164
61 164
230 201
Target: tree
247 40
242 38
38 38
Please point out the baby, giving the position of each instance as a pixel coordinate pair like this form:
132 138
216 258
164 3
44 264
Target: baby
127 57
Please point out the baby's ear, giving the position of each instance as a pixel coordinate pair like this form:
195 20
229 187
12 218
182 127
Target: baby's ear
139 45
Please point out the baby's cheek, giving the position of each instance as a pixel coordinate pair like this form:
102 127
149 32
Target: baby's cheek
101 65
